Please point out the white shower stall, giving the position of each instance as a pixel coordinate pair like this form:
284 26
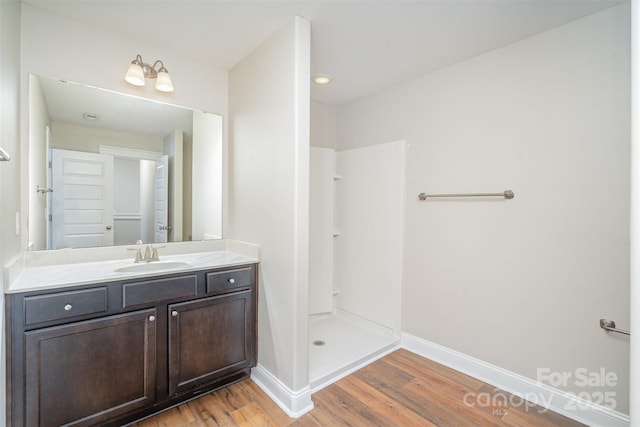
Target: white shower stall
355 271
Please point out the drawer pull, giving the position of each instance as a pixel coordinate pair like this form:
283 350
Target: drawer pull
152 318
174 313
226 281
64 305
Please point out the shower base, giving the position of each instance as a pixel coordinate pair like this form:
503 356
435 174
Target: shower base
341 343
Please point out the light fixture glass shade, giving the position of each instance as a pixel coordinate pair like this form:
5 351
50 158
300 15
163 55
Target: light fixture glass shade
163 81
135 75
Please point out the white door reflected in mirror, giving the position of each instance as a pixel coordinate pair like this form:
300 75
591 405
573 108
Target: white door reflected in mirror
82 199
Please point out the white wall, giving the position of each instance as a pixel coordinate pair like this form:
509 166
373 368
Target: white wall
131 188
172 145
126 185
522 283
634 387
324 130
206 163
187 211
38 122
370 219
10 129
9 141
147 199
88 139
268 191
128 196
59 47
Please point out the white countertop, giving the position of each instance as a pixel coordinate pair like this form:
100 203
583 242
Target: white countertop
36 276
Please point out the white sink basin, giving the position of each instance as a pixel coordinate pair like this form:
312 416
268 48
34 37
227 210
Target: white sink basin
151 266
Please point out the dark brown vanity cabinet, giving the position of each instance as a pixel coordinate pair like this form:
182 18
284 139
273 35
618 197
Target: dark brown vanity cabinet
197 354
88 371
117 352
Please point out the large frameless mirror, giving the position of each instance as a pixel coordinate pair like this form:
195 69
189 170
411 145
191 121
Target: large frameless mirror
111 169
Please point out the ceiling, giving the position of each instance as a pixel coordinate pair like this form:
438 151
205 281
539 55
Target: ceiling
364 45
68 102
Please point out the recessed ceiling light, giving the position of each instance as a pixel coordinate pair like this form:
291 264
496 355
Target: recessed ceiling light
322 79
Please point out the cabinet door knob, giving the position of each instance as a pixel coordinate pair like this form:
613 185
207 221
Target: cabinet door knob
174 313
232 280
68 307
152 318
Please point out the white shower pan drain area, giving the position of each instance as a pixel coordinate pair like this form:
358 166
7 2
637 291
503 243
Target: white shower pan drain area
341 343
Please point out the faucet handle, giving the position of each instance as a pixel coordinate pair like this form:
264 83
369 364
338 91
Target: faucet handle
154 252
138 257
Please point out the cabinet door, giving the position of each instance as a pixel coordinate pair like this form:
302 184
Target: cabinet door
85 372
210 338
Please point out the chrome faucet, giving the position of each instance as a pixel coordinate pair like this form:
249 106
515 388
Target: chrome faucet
147 253
150 253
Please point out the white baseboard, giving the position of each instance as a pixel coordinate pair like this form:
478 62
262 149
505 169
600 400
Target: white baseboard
293 403
551 398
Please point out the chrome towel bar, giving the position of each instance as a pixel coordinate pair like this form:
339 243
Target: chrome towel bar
610 325
507 194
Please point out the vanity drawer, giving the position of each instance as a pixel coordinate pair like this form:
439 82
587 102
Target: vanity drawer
149 291
221 282
44 308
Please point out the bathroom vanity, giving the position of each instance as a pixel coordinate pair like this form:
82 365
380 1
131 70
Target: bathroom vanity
109 352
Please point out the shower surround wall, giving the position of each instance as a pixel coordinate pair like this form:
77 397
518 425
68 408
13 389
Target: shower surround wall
369 218
355 251
321 198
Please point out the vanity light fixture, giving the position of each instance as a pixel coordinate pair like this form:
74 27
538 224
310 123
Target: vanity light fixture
138 71
322 79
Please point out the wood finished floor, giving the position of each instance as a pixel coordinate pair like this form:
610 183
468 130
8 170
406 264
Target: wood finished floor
401 389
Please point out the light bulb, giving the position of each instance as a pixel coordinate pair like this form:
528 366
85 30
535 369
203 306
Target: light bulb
135 75
322 79
163 81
